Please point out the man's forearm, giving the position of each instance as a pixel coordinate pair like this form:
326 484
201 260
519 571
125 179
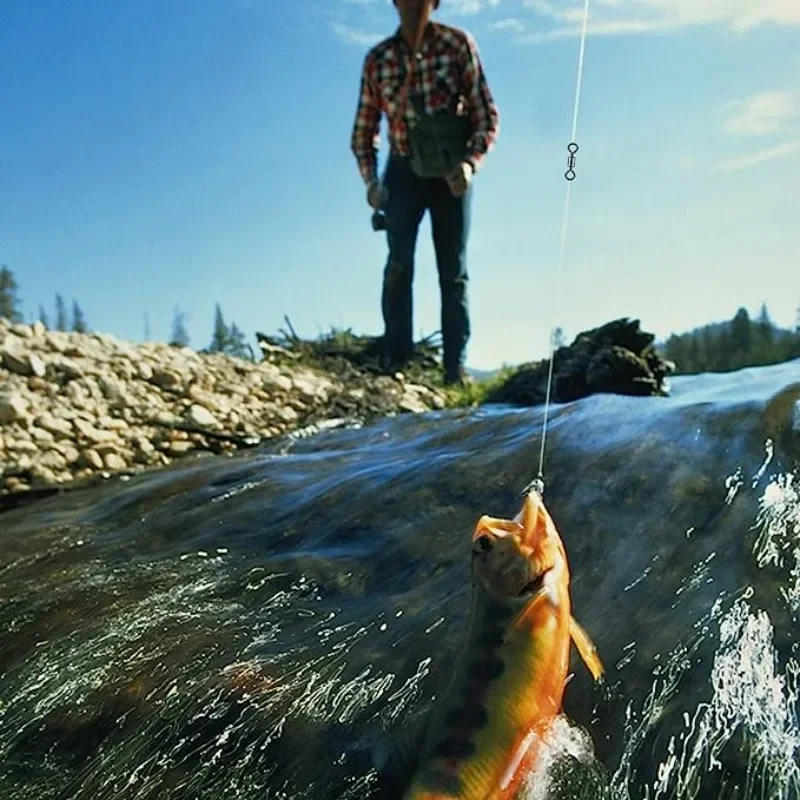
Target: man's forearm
482 110
364 141
367 161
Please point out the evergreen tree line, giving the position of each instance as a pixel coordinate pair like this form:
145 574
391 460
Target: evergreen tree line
717 347
225 338
11 307
736 343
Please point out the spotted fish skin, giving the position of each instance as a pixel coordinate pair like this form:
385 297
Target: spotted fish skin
484 734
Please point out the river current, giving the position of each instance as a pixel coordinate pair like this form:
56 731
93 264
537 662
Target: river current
278 624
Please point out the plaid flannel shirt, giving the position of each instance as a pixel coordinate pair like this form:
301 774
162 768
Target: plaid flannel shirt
448 75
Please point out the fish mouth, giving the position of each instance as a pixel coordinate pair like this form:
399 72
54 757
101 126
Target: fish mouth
481 547
533 586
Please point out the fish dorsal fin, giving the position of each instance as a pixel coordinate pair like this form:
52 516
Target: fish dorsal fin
586 648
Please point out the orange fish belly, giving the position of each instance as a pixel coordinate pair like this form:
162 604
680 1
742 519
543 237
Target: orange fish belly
504 696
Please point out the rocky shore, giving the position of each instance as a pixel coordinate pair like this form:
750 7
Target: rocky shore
74 406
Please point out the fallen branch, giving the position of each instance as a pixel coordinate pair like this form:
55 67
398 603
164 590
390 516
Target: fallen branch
239 441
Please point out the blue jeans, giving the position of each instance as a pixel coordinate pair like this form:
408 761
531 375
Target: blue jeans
409 196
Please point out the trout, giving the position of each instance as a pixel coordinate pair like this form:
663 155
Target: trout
509 680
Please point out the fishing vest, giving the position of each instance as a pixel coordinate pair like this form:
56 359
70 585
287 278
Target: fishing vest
437 142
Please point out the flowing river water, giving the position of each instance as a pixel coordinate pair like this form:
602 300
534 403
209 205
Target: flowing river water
278 624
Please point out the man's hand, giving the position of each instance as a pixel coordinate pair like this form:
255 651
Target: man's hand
375 195
459 179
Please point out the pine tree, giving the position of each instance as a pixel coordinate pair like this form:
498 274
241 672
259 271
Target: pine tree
61 314
221 335
9 302
236 342
741 337
43 316
78 319
180 336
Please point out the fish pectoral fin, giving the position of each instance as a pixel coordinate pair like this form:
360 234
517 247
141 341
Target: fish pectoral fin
586 648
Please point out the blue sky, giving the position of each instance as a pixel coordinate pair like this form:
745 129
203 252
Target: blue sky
168 153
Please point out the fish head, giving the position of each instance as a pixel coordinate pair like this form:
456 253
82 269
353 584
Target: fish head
512 558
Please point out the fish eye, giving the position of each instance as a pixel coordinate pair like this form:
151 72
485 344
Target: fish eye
482 544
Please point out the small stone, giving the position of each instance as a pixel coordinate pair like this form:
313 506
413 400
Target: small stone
114 461
112 389
13 408
144 445
77 395
166 418
16 360
166 379
37 367
55 425
71 454
179 448
113 424
37 384
42 474
56 341
74 350
40 435
201 417
67 368
52 460
22 330
22 446
278 381
310 388
93 434
90 458
287 413
15 485
38 329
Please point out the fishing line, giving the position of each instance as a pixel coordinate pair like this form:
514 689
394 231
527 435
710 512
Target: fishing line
572 149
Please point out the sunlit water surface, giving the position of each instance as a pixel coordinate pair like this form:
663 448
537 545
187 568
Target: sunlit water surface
277 625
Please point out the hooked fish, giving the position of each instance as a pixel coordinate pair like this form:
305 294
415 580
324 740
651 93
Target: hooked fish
509 679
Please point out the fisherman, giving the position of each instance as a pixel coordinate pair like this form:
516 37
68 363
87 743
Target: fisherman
429 80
